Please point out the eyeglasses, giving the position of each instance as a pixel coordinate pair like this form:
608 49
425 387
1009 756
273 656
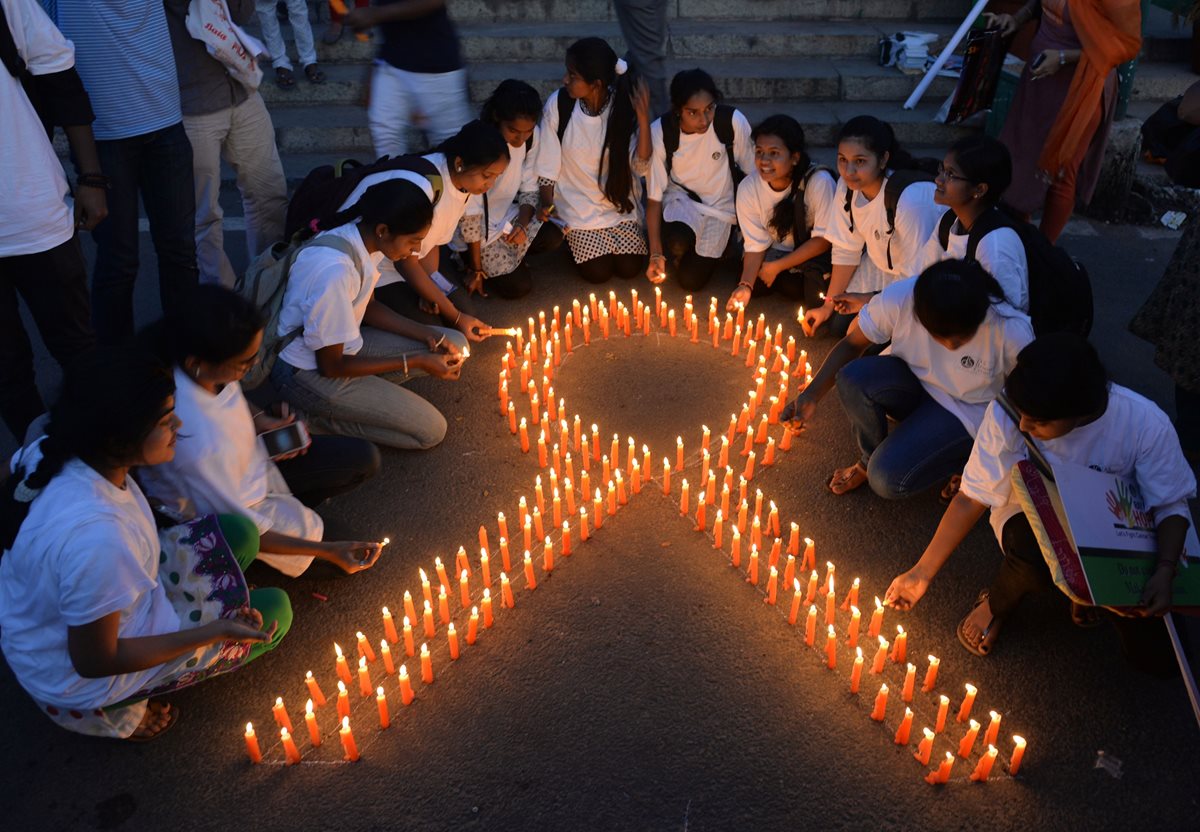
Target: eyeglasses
943 173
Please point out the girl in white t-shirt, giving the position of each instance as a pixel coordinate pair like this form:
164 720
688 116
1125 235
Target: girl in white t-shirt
87 624
868 156
970 182
221 464
951 347
696 196
1072 414
347 354
497 254
589 174
469 163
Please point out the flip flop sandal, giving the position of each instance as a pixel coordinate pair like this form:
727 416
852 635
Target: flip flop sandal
977 648
314 74
847 479
285 79
172 718
952 488
1085 616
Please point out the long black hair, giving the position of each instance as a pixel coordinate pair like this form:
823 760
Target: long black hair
689 82
477 145
592 59
951 298
110 402
512 99
984 161
213 324
1058 376
789 214
399 204
879 138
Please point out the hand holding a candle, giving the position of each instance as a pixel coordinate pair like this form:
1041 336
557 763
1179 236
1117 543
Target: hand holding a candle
848 303
906 589
798 412
352 555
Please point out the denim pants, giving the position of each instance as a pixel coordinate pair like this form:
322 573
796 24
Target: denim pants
376 408
53 284
158 167
644 26
273 36
245 137
928 444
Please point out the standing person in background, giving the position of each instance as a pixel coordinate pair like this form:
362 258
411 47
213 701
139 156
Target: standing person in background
40 257
123 54
419 79
225 119
333 33
644 27
297 16
1058 127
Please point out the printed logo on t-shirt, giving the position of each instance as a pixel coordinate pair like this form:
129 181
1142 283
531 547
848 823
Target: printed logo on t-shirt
977 366
967 361
716 155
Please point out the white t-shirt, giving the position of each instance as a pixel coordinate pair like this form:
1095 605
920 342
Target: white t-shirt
221 467
756 201
574 166
700 164
86 550
34 215
449 210
1133 438
962 381
916 218
327 295
519 177
1000 253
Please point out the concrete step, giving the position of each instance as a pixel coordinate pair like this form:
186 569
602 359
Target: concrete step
1161 81
743 79
467 11
338 129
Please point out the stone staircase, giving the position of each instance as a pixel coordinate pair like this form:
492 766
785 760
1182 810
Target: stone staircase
813 60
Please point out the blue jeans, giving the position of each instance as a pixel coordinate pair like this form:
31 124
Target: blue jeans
928 444
158 167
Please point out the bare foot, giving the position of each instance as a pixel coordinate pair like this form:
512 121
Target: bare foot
845 480
158 718
980 628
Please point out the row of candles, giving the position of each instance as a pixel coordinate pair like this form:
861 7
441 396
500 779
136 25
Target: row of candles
561 473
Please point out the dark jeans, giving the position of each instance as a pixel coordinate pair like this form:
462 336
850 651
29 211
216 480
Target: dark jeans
1187 419
601 269
927 446
332 466
1144 641
158 167
53 284
679 242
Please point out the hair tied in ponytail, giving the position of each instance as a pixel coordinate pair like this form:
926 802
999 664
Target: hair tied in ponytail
621 66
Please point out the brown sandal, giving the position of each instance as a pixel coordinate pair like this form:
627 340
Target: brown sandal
987 636
285 79
845 480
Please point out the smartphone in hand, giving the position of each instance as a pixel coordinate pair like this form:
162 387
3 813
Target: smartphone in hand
286 440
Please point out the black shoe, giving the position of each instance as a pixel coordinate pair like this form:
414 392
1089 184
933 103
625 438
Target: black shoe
281 11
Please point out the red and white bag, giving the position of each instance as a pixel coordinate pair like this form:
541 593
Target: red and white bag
209 22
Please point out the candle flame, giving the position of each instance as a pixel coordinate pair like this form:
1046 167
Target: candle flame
463 575
362 662
971 689
407 623
249 727
1019 741
278 701
424 577
899 630
878 605
341 687
796 584
441 590
345 723
858 654
379 691
337 649
308 675
308 707
854 611
385 541
360 636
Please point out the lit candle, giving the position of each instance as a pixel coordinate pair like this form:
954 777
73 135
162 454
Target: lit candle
486 605
310 720
749 472
280 713
612 497
785 440
810 626
598 509
252 749
408 636
830 605
428 618
812 588
426 665
993 730
718 523
876 619
735 548
347 739
855 623
364 676
851 599
364 648
772 585
796 599
964 710
905 728
537 523
930 675
900 648
569 491
789 569
723 456
880 703
683 498
636 477
679 453
485 567
752 571
583 525
968 741
343 699
530 579
443 604
389 626
701 515
290 752
983 769
505 559
810 554
856 671
910 682
831 648
343 669
1014 763
440 568
386 652
473 626
528 531
756 531
943 709
880 656
506 594
942 775
406 691
769 456
547 555
314 690
452 640
566 539
925 748
409 609
381 702
543 457
464 588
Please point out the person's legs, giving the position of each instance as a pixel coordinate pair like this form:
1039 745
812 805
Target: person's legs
629 266
20 401
548 238
871 389
276 611
598 269
242 537
167 187
1146 645
390 110
927 446
302 31
695 271
333 465
272 35
1023 569
441 101
644 25
207 134
516 284
251 151
117 242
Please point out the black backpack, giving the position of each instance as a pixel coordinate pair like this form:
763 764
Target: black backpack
1060 291
722 125
323 191
892 191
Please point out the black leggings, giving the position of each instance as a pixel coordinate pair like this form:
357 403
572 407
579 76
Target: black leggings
333 465
692 271
601 269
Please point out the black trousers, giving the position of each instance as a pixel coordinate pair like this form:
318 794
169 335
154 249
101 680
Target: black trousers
54 285
601 269
332 466
692 271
